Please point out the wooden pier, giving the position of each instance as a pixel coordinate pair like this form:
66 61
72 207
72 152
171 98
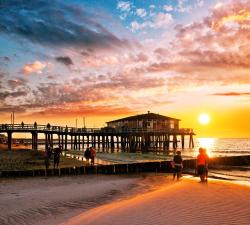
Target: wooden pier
103 140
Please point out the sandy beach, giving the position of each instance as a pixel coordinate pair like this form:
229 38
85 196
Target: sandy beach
53 200
121 200
185 202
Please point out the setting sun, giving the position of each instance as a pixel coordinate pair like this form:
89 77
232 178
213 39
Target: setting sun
204 118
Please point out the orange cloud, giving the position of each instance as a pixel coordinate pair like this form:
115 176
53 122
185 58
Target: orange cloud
232 94
84 110
240 17
35 67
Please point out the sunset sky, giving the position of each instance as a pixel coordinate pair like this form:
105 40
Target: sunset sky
106 59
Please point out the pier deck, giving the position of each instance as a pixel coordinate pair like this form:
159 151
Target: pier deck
128 140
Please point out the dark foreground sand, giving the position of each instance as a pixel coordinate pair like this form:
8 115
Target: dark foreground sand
122 200
53 200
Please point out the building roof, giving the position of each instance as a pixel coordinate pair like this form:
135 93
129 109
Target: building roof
148 116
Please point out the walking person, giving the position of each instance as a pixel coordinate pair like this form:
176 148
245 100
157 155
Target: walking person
57 152
202 164
92 155
177 165
49 152
87 155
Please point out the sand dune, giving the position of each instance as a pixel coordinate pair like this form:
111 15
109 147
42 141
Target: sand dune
185 202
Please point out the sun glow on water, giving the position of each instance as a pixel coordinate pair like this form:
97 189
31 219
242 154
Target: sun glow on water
208 144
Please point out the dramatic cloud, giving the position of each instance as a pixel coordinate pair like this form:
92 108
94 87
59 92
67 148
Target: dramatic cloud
236 13
16 83
203 53
35 67
4 95
98 90
86 111
9 108
65 60
56 24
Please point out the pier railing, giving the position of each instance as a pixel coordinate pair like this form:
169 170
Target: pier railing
66 129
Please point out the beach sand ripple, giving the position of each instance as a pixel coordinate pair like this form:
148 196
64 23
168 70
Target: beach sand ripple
185 202
51 201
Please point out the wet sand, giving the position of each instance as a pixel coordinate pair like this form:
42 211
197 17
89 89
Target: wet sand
184 202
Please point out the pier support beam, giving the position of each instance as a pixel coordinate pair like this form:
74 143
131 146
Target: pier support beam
34 140
191 141
182 141
9 140
66 142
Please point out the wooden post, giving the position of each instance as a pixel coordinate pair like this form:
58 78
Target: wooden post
71 141
9 140
79 142
191 141
175 142
168 141
62 141
34 140
164 143
51 141
107 143
112 144
98 142
75 142
103 143
122 143
66 142
59 139
182 141
46 141
83 141
87 141
93 140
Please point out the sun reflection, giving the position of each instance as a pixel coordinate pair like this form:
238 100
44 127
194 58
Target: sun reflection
207 143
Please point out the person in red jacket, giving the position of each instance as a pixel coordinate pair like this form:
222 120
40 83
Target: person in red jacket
202 164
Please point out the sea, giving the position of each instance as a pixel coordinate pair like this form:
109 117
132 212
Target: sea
217 147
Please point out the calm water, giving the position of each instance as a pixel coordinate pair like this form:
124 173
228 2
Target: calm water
221 147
